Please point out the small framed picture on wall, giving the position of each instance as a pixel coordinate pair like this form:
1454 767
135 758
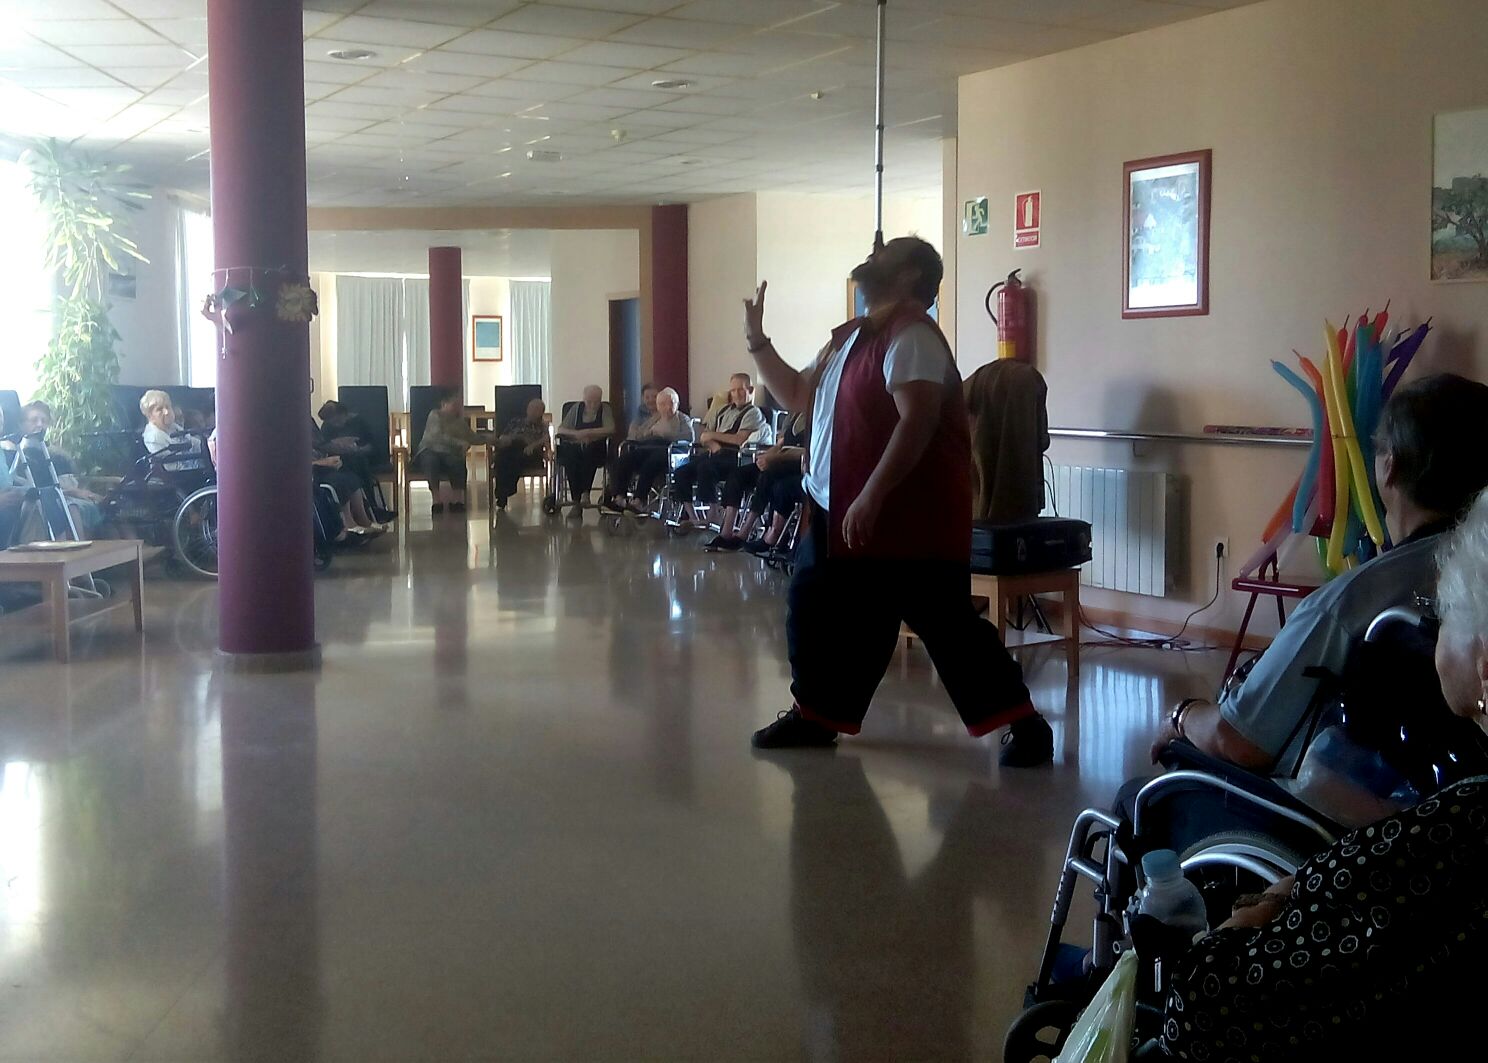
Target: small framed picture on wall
1165 235
485 338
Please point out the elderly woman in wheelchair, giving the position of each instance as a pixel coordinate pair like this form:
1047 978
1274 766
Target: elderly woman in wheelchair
1365 950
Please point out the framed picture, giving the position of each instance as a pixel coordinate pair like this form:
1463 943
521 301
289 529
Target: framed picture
857 303
1165 236
485 337
1459 197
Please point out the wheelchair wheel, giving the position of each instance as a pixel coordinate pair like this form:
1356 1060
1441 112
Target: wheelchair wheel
1229 864
1040 1032
550 505
194 533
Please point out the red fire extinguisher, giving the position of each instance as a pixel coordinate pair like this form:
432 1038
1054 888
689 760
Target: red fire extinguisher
1013 318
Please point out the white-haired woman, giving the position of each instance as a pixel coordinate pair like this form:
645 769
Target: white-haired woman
161 432
644 456
1371 951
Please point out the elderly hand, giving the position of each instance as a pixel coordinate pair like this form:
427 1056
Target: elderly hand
861 519
754 317
713 446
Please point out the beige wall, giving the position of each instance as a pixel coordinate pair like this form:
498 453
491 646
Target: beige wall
589 266
488 295
722 267
1319 113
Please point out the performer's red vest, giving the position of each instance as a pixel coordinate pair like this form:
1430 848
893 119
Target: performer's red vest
928 516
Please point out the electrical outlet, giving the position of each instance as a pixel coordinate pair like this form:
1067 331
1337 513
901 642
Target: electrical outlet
1223 547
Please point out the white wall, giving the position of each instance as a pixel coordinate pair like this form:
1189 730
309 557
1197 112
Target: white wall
589 266
149 352
722 268
1321 207
488 295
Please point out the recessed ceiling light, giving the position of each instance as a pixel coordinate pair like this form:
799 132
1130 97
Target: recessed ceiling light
351 55
671 83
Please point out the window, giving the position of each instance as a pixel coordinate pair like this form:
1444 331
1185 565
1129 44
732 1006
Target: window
27 287
195 281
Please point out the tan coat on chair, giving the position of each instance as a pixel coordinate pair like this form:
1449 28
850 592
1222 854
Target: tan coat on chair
1009 434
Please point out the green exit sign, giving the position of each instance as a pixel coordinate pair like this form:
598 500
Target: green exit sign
974 217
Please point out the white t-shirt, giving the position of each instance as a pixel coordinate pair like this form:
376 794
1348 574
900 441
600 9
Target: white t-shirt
917 353
156 438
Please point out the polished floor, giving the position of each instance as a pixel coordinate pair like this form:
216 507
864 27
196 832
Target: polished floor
515 816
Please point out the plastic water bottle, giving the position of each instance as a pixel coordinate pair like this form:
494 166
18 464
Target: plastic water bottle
1170 898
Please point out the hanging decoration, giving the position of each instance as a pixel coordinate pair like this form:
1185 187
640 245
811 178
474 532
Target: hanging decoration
1336 499
247 292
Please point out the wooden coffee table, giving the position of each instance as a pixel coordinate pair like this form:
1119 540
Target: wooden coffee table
55 570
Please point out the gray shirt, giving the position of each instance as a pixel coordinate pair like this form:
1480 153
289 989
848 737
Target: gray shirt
1268 707
658 426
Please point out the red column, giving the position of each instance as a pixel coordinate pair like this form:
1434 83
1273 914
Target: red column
669 297
446 319
257 83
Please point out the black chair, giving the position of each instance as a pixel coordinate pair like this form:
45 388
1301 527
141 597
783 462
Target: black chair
369 402
423 399
511 403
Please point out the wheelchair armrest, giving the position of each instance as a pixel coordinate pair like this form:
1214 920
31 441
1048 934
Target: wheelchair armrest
1182 755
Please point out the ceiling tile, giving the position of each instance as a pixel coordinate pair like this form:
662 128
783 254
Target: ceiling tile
164 9
624 97
711 105
408 76
383 56
33 55
391 31
531 91
579 112
679 33
95 100
1134 17
405 98
94 31
488 105
191 32
521 45
325 123
467 15
127 55
565 73
566 21
338 73
752 13
485 66
696 83
635 56
78 77
724 64
339 108
46 10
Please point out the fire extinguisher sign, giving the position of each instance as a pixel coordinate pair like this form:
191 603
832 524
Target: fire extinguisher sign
1027 220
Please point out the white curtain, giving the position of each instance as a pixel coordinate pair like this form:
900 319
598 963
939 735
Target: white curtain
532 332
416 328
370 347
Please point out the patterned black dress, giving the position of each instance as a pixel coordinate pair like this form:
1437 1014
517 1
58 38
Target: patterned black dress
1376 952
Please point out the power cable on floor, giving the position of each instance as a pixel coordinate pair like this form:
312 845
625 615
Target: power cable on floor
1161 642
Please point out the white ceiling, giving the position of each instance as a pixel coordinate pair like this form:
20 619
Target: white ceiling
460 90
484 252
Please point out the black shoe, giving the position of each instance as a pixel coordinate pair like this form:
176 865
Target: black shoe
610 508
757 547
457 507
384 516
791 730
1027 743
725 543
500 503
437 508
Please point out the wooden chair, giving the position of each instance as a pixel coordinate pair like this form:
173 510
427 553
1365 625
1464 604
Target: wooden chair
422 399
1003 591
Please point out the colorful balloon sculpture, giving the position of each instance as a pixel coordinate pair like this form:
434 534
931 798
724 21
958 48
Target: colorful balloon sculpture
1336 498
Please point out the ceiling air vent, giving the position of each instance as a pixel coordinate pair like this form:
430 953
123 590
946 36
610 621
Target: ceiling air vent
545 156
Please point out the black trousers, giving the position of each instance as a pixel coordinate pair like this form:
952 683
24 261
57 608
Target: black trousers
842 625
580 462
740 479
778 488
343 481
510 463
436 466
706 472
644 464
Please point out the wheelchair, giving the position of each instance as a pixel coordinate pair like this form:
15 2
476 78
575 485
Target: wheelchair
1237 832
169 499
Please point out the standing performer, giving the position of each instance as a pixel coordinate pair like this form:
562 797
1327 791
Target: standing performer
888 479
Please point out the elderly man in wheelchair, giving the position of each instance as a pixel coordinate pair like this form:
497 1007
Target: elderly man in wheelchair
1316 955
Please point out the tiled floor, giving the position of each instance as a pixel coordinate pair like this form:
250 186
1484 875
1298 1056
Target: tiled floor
516 816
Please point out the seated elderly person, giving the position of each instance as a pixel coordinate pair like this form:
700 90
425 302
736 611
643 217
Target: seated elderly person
163 433
583 443
1373 949
647 409
774 477
442 449
36 420
730 427
522 440
1432 461
344 434
12 495
644 456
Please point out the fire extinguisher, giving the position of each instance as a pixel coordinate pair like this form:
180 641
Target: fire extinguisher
1014 328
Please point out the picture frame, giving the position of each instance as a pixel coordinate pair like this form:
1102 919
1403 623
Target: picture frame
487 338
1459 196
857 303
1165 220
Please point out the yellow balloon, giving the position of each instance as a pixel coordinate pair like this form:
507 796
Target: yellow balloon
1361 490
1340 463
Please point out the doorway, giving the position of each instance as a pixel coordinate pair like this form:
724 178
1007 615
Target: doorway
625 358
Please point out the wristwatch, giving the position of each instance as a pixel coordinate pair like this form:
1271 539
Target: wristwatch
1176 719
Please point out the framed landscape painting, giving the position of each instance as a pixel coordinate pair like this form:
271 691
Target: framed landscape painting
1459 197
1165 226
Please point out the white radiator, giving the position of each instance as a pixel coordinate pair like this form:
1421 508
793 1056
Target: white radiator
1135 530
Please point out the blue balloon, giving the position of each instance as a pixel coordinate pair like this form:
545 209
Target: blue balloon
1308 485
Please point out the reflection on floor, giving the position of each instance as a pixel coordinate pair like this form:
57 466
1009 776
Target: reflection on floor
516 817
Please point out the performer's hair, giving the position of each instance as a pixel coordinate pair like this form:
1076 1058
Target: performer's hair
923 256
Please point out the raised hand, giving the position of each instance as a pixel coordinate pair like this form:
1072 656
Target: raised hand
754 317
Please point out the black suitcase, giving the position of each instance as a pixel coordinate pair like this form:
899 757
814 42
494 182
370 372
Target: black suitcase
1039 545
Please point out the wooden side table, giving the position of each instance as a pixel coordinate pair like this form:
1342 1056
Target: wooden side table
54 570
1002 591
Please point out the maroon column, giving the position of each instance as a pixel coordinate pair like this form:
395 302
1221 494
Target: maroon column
446 319
669 297
257 83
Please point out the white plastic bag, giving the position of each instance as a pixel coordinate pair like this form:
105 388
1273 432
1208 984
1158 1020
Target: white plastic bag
1104 1030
